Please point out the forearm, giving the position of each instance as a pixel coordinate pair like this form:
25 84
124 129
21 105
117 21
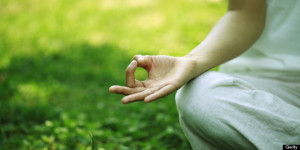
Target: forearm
230 37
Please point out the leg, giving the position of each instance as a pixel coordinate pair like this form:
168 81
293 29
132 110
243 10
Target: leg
224 112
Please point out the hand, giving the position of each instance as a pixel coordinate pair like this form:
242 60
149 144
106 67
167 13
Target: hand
165 75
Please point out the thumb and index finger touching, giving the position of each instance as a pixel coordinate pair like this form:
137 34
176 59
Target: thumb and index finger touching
142 61
137 61
131 89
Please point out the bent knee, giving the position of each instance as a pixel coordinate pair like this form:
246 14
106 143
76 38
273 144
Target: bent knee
209 96
208 102
210 84
199 89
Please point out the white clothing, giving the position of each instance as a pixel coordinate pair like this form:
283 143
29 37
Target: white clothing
277 51
222 111
255 102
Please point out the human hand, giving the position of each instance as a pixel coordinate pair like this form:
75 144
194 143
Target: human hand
165 75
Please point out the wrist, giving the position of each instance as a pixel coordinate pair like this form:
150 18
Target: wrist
200 63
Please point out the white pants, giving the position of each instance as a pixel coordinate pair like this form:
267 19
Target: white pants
222 111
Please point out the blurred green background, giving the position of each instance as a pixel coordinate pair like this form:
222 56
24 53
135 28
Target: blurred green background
58 58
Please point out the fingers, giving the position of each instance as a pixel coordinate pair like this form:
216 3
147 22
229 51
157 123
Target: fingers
143 61
138 96
124 90
166 90
138 60
130 79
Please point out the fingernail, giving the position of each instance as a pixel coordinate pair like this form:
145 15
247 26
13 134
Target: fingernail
132 63
140 59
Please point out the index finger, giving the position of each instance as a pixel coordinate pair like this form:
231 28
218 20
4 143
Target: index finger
130 78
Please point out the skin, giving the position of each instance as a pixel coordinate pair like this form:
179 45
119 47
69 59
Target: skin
234 33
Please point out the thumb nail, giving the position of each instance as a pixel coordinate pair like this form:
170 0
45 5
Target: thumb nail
140 59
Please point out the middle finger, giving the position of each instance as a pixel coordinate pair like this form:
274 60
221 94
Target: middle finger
139 96
125 90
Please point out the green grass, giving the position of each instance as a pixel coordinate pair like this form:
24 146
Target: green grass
58 58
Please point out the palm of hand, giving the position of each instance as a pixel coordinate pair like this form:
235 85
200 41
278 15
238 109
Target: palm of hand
165 75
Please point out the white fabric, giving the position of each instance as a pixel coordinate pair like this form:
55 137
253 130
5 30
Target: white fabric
255 102
222 111
277 51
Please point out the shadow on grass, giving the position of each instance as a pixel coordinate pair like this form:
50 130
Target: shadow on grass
38 87
55 100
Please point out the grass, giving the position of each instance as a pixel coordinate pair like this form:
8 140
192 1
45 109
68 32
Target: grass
59 57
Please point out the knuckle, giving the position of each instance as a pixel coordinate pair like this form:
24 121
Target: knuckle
125 92
147 56
121 90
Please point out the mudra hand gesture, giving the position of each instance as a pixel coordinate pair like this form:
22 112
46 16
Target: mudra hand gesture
165 75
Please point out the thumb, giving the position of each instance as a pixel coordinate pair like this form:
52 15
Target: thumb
143 61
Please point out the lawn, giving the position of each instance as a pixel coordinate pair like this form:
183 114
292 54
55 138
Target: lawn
58 58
